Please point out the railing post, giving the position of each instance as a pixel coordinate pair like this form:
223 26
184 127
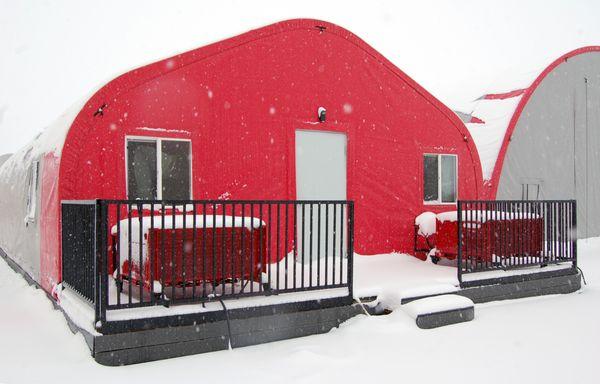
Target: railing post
100 247
350 266
459 244
104 245
573 233
97 266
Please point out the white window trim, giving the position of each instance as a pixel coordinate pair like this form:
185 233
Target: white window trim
157 140
439 179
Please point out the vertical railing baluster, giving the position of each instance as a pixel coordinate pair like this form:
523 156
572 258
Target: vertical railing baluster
162 250
242 247
342 229
319 244
150 249
488 248
350 261
270 244
173 253
310 250
223 249
183 249
518 233
563 229
213 277
232 252
554 231
334 243
574 233
295 248
303 245
118 253
277 256
285 247
194 250
567 237
252 242
260 257
204 296
130 265
326 244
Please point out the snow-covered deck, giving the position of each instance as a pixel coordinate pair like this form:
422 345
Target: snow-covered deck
82 313
395 276
390 277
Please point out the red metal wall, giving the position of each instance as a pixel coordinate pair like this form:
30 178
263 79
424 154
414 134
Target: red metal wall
240 102
50 264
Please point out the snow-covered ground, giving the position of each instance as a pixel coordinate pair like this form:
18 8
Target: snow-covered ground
551 339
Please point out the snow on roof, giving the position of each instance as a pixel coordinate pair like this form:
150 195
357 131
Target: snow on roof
488 135
4 157
50 139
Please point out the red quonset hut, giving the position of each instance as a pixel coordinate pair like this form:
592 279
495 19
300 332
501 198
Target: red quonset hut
240 104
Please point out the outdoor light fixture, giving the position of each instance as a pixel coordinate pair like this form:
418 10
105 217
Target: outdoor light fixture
321 112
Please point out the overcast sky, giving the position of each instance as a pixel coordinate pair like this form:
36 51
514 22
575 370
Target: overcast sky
53 53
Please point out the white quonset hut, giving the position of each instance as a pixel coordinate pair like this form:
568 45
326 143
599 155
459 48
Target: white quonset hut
541 140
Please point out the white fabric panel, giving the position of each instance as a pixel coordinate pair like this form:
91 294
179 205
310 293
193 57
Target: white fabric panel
556 141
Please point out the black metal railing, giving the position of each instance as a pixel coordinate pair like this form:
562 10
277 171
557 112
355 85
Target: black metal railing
503 234
78 254
171 252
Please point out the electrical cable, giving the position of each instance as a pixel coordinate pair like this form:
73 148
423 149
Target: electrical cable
228 324
582 276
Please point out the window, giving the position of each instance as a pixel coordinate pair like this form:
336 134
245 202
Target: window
32 187
158 169
439 178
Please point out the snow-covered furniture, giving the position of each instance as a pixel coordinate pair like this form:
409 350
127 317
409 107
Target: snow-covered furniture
487 236
187 249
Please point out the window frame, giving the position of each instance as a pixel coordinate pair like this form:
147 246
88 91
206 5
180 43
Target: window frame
157 140
439 179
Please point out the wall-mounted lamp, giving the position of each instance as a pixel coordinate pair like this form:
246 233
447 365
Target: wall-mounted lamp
322 114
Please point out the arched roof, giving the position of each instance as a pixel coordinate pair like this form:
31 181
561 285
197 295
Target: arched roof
526 95
495 115
85 120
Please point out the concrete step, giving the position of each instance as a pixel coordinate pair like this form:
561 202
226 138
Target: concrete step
437 311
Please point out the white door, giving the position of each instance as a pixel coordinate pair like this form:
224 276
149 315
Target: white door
321 159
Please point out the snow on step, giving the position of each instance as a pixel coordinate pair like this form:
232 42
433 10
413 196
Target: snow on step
437 311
